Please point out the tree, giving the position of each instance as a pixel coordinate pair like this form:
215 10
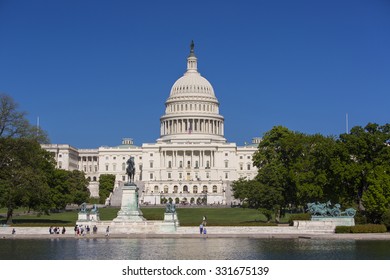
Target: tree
259 196
13 124
24 171
366 151
68 187
106 186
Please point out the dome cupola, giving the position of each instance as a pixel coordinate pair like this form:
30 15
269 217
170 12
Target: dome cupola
192 110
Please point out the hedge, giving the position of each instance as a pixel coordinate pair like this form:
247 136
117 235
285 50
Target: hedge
367 228
299 217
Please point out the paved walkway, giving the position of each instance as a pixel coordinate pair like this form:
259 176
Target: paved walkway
188 232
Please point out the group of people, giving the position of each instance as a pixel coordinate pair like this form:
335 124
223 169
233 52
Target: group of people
202 226
56 230
83 230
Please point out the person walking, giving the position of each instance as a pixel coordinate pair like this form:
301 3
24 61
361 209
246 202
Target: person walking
108 231
204 232
201 228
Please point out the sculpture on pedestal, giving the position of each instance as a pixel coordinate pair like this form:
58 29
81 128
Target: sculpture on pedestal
130 170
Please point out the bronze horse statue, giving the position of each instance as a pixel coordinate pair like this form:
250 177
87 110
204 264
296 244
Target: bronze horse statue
130 170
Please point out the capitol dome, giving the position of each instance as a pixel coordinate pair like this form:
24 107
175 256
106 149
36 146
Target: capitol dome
192 110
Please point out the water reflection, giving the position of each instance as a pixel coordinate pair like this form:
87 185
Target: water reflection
193 249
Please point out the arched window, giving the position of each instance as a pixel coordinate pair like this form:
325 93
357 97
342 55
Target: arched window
94 178
205 189
215 189
165 189
156 189
195 189
185 189
175 189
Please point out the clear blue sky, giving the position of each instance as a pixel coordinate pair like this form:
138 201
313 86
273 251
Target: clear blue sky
97 71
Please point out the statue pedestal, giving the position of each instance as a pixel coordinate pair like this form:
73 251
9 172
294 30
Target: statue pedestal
170 223
171 218
94 217
129 207
83 217
335 221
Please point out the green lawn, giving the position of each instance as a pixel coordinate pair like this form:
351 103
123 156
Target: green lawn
187 217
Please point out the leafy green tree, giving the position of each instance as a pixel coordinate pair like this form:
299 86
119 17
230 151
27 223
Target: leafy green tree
258 196
367 150
68 187
376 198
14 124
24 171
106 186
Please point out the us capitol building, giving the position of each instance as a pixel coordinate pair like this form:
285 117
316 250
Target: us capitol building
191 162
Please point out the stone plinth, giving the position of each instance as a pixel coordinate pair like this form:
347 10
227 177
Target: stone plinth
171 222
130 211
83 217
336 221
94 217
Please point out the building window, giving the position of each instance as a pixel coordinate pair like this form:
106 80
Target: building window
151 164
249 166
207 175
185 189
241 166
85 168
249 157
114 157
180 164
226 164
205 189
151 175
195 189
188 164
175 189
106 167
215 189
165 189
240 157
180 175
151 154
156 189
114 167
123 178
208 164
226 175
169 164
169 175
90 168
196 164
94 178
226 154
96 168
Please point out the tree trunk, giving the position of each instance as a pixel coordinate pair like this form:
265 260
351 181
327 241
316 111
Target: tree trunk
10 212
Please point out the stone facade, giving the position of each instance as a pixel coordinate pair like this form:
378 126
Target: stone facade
191 161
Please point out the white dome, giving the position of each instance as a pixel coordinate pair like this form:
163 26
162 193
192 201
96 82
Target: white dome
192 109
192 83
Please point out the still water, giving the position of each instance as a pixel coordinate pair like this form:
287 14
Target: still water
194 249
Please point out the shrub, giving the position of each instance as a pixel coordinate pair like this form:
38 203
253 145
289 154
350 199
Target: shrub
299 217
386 219
367 228
343 229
